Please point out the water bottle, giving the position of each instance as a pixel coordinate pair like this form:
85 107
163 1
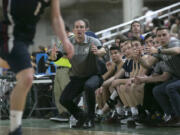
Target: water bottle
72 121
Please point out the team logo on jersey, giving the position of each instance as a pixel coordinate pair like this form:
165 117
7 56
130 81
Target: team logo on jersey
86 50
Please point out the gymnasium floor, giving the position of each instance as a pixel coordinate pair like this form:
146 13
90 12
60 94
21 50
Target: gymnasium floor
47 127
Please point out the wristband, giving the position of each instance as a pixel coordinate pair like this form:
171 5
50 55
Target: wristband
159 50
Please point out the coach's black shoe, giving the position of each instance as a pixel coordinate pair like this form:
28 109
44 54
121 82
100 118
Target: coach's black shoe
81 121
89 124
18 131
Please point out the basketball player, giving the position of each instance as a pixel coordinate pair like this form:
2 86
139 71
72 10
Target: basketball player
17 31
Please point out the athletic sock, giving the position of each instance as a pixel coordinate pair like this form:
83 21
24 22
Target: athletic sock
100 112
15 119
134 111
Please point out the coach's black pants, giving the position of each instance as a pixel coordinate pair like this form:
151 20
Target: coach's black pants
75 87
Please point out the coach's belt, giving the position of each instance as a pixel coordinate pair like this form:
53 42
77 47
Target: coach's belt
60 67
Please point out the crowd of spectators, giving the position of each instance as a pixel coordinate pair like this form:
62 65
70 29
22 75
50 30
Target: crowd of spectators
145 89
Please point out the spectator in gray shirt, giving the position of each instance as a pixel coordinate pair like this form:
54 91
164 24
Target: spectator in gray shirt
167 93
159 75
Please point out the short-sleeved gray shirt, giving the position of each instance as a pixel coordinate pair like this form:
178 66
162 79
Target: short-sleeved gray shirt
84 62
172 61
161 67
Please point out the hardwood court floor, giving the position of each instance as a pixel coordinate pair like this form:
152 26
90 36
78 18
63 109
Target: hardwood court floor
46 127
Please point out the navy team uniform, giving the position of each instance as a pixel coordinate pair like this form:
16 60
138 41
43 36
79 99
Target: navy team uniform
17 30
